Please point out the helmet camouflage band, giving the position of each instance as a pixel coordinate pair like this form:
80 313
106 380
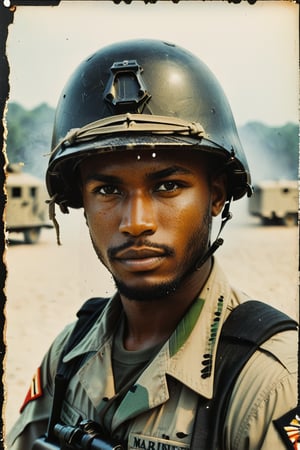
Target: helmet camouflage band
142 94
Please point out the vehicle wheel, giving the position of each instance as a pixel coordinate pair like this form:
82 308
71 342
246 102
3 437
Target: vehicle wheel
266 221
32 235
290 219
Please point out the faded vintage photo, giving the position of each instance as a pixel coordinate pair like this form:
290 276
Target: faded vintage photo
152 162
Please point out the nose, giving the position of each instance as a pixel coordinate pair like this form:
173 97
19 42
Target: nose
138 216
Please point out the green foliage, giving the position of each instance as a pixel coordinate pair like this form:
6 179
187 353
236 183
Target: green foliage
29 136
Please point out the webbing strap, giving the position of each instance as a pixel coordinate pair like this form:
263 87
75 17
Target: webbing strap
87 316
246 328
262 322
123 123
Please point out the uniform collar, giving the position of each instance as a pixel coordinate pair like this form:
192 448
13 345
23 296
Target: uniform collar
193 363
101 332
189 355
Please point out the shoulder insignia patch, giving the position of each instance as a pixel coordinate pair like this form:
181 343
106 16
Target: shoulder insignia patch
35 390
288 427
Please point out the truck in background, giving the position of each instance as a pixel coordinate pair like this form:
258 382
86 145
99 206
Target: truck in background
275 202
26 209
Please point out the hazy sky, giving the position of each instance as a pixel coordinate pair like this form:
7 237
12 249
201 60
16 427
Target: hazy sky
252 49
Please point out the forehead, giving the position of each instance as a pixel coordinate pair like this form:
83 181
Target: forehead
145 160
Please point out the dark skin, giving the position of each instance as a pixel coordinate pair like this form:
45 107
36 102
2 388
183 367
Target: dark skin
149 218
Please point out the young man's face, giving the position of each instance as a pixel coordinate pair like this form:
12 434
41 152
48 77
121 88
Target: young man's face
149 216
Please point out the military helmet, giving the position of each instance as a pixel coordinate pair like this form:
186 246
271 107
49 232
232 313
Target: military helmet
142 94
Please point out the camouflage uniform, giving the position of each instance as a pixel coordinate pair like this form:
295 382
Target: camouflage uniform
158 411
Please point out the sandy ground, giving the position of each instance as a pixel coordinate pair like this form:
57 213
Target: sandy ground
46 284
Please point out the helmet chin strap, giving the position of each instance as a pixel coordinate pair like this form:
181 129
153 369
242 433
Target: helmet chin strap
226 215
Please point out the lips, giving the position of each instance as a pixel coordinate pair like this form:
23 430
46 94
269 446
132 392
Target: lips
139 253
140 259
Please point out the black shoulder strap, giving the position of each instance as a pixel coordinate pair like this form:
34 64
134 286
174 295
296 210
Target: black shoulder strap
247 327
87 316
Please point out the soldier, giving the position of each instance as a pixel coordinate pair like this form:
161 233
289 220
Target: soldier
144 140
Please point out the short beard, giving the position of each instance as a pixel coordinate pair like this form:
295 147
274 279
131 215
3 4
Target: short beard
196 248
150 293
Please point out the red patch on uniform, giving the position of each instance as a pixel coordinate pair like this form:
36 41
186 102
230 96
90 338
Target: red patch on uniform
35 390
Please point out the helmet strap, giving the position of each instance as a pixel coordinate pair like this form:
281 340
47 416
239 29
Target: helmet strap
226 215
52 217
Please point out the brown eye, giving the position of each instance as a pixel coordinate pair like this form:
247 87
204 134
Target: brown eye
168 186
107 189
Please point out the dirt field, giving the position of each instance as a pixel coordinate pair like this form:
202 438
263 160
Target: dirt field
46 285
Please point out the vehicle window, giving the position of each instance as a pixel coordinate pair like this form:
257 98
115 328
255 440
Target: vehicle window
33 192
16 192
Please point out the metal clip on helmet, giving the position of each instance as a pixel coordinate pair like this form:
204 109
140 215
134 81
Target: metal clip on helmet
142 94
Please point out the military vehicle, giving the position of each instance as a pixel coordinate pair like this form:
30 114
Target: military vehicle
275 202
26 209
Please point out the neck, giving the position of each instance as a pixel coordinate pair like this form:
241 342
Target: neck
149 323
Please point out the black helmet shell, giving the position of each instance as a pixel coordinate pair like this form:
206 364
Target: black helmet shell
172 96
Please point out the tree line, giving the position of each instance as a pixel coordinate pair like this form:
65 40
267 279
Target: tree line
272 151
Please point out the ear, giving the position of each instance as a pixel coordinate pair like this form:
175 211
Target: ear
219 193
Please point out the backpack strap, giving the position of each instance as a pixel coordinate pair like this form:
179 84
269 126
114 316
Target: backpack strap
87 316
246 328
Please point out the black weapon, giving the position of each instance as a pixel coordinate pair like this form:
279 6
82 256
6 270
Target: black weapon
83 437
